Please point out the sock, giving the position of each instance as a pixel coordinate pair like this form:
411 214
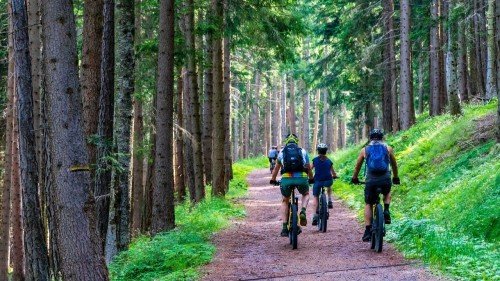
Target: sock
386 207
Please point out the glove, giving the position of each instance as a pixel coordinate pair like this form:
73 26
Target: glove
311 181
273 182
355 180
396 181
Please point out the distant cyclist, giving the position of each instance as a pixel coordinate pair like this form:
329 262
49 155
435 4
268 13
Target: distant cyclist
293 162
272 155
378 157
323 177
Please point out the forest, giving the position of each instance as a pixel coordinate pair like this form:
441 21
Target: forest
126 121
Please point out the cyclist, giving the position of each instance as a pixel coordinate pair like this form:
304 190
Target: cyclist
293 162
378 156
323 176
272 155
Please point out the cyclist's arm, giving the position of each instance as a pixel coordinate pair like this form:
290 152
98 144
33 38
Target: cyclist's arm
394 164
334 174
359 163
309 171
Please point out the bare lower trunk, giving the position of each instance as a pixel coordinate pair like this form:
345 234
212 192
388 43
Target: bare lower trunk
342 126
75 227
187 138
180 185
462 63
305 122
255 126
407 114
316 118
292 111
207 108
325 118
284 129
436 106
491 83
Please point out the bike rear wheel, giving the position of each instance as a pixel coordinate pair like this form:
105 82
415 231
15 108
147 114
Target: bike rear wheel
323 213
294 231
379 228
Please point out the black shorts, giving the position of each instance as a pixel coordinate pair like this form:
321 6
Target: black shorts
371 190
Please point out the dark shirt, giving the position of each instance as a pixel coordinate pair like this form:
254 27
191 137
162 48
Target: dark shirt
322 169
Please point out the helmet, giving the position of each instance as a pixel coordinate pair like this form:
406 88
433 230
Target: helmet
274 147
322 148
291 138
376 134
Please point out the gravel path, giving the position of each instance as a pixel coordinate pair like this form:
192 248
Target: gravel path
253 250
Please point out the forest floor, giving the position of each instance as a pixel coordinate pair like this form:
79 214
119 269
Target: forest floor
253 250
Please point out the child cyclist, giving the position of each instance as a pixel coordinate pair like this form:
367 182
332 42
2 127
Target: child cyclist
323 176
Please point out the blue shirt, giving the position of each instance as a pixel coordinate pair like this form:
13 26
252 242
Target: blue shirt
322 169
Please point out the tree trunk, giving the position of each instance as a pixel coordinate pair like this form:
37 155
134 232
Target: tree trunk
462 63
188 143
473 84
236 127
390 69
421 62
5 192
17 249
342 126
316 119
480 53
407 114
218 171
125 19
255 128
291 108
491 83
284 129
75 227
180 185
305 121
36 258
207 106
163 216
451 66
194 104
335 132
246 128
436 107
326 110
102 184
138 131
276 117
228 161
91 70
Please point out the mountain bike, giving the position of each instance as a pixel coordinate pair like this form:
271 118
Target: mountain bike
378 223
293 218
323 210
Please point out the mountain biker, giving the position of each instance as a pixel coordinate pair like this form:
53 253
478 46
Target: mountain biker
272 155
293 162
378 156
323 176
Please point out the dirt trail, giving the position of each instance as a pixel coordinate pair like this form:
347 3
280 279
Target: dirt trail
253 250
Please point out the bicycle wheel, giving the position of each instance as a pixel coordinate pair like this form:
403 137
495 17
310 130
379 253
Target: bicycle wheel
294 231
323 213
379 228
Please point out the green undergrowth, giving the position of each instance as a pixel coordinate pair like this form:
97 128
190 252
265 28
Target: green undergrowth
177 254
446 211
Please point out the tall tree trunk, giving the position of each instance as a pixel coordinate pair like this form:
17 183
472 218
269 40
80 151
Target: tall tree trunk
188 139
462 63
246 129
138 131
236 128
16 219
407 114
305 121
194 104
435 62
102 184
276 119
451 66
218 171
421 62
207 106
228 161
497 26
75 227
316 118
91 70
291 108
284 129
125 19
163 216
491 83
390 69
479 41
342 126
36 258
386 94
5 192
257 135
180 185
473 84
335 132
326 111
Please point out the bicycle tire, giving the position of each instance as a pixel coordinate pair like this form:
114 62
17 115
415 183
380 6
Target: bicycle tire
379 230
295 228
323 214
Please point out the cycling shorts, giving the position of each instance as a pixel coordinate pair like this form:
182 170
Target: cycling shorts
371 189
319 184
301 183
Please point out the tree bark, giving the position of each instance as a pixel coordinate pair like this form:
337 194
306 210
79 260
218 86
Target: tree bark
436 106
91 70
480 51
125 19
71 194
257 135
102 183
228 161
188 142
421 61
218 171
291 108
163 215
180 185
450 61
284 129
342 126
316 118
138 131
36 258
305 121
390 66
326 111
407 114
276 117
5 192
207 106
491 83
462 63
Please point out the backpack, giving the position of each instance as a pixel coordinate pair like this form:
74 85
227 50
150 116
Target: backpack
377 159
292 159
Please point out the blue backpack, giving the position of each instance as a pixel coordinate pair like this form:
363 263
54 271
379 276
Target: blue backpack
377 159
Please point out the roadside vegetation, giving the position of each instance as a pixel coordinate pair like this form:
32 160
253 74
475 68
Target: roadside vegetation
446 210
178 254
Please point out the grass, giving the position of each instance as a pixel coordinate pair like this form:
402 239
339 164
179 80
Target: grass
177 254
446 212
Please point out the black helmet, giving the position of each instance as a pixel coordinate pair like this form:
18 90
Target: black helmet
376 134
322 148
